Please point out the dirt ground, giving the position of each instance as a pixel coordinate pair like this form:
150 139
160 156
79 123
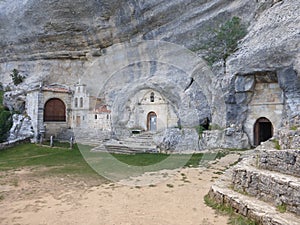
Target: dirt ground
178 199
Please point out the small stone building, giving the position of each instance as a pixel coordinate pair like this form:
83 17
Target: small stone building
57 110
49 108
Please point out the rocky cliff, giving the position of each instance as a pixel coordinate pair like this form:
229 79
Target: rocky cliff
58 41
70 29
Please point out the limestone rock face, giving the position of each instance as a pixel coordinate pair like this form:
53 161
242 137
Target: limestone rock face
69 29
272 42
178 140
21 129
102 44
15 100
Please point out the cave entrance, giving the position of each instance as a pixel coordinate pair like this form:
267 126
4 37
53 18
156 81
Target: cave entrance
263 130
152 121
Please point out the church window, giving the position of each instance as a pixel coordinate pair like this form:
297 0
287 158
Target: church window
81 102
96 117
152 97
76 102
107 116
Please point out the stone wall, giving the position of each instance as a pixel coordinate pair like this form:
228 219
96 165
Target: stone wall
228 138
250 178
284 161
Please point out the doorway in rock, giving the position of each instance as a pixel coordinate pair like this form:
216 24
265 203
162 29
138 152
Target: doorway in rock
263 130
152 121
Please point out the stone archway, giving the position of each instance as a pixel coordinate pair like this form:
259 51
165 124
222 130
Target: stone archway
55 110
263 130
152 121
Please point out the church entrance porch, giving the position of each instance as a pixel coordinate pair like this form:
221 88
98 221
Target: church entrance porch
263 130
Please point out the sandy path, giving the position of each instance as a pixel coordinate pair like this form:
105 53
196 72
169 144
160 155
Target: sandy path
63 201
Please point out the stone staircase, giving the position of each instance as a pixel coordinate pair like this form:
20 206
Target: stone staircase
90 137
258 193
139 143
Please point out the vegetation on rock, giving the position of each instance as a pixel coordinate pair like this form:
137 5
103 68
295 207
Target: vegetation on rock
5 120
225 40
16 77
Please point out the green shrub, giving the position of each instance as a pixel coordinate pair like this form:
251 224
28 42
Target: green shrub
200 130
5 120
5 124
16 77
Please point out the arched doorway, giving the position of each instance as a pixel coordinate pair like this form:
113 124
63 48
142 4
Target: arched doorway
263 130
55 110
152 121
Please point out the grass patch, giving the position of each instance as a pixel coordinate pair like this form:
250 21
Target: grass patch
146 159
57 144
1 197
281 208
218 172
170 185
82 162
276 143
58 160
234 218
141 159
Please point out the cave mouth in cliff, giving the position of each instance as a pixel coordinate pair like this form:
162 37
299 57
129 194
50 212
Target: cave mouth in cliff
263 130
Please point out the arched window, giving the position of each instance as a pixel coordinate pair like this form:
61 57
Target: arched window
152 97
81 102
55 111
76 102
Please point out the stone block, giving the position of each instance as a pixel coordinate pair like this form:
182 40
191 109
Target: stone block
244 83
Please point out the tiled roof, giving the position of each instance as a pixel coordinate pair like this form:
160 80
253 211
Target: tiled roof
102 109
56 89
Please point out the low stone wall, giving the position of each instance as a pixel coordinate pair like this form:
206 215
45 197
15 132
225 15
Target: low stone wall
9 144
278 188
284 161
289 139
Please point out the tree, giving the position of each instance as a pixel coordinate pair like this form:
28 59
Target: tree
225 41
5 120
16 77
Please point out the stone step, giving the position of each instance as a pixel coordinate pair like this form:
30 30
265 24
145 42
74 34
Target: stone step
87 141
251 207
269 186
133 149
